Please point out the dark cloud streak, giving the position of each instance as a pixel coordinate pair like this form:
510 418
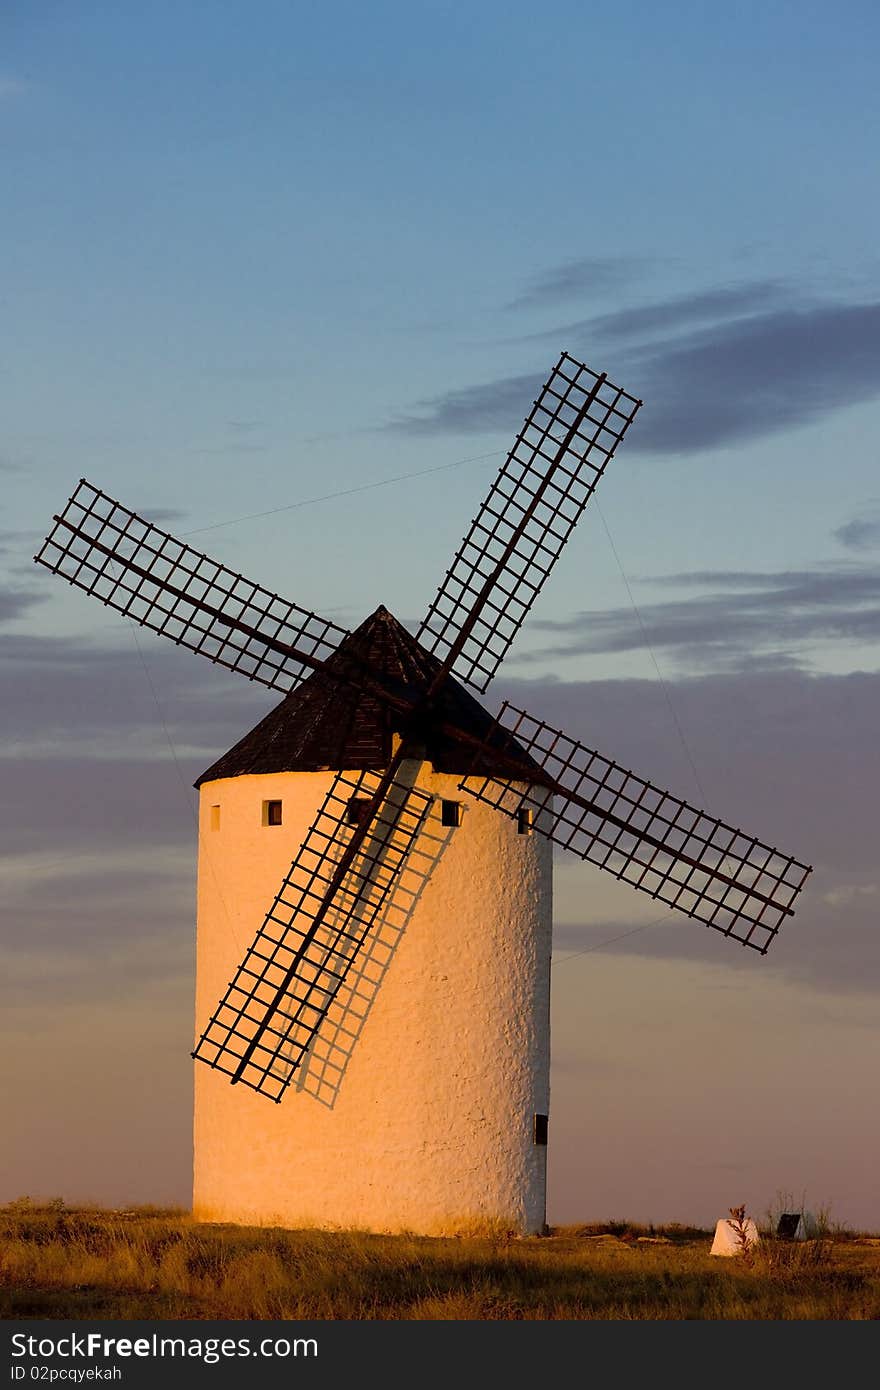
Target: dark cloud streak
162 516
15 602
747 616
14 542
587 275
730 301
93 805
756 376
80 691
862 533
834 948
732 381
473 409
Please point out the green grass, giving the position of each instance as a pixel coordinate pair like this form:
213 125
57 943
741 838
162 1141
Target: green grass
57 1262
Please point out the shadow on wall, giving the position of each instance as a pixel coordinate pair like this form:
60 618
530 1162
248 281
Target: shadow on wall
323 1069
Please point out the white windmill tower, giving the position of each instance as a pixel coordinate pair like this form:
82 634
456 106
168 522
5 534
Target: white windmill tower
396 995
416 1105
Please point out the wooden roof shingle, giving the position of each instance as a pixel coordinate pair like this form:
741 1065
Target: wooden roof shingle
336 724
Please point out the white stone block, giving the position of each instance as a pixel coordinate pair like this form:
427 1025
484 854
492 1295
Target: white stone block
727 1241
806 1227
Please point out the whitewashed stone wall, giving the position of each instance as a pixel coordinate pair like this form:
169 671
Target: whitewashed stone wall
415 1110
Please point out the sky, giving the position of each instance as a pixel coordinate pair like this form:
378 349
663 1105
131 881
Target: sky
285 279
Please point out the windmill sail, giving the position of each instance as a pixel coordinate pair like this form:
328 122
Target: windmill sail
100 546
654 841
343 875
531 509
310 939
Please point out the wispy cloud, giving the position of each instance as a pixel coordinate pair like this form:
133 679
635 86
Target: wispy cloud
832 943
756 376
473 409
758 361
862 532
845 894
100 697
116 800
575 278
111 921
672 315
18 542
163 516
15 602
238 439
744 620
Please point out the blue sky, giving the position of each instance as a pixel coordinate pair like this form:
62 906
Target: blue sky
251 259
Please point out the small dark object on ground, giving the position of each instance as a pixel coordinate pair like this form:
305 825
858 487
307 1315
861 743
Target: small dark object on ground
787 1226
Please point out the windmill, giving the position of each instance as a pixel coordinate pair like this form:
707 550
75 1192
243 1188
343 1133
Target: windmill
398 986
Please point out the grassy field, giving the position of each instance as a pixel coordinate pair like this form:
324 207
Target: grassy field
57 1262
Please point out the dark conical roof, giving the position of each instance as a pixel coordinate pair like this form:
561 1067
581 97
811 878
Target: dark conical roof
336 724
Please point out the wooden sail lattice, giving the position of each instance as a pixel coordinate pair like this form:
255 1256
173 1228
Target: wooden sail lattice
116 556
654 841
531 509
282 991
350 864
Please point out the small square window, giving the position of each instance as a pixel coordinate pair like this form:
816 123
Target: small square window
540 1129
271 812
450 813
524 820
357 810
214 821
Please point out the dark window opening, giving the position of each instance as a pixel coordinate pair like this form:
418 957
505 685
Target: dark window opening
271 812
356 810
524 820
450 813
540 1130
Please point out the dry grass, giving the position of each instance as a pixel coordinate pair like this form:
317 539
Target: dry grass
83 1263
